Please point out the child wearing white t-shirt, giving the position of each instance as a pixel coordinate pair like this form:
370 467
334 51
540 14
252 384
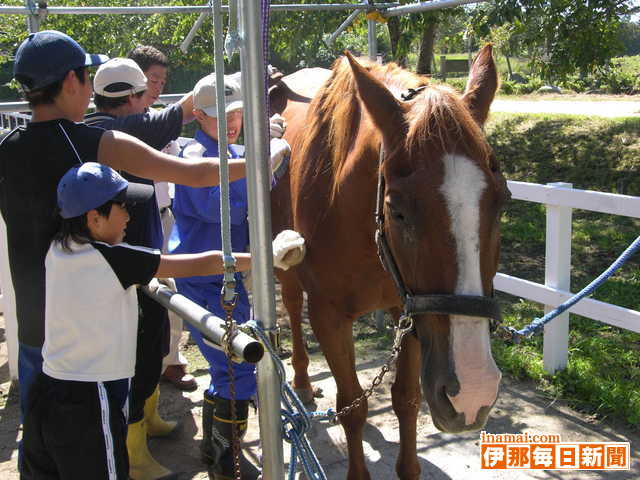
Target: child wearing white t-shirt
76 424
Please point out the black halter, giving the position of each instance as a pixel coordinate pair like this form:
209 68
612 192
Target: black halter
445 304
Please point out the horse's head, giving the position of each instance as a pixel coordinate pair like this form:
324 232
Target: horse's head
442 201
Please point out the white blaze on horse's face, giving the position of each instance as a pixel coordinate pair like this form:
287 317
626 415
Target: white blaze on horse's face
474 366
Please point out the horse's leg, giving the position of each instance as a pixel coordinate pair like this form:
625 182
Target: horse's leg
406 399
292 298
335 335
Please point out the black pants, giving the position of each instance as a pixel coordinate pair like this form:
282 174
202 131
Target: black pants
153 345
75 430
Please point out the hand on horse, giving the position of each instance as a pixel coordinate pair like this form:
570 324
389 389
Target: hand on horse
288 249
277 126
279 150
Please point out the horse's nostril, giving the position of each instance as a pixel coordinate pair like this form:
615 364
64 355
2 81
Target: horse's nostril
452 388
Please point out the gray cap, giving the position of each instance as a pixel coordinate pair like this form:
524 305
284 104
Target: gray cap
204 94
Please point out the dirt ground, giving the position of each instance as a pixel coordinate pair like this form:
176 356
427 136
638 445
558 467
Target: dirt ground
442 456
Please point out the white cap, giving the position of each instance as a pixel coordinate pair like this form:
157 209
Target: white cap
204 94
119 77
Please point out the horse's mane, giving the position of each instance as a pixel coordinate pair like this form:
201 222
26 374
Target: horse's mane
437 115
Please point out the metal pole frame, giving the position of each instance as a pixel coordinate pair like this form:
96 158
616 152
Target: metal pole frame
192 9
260 235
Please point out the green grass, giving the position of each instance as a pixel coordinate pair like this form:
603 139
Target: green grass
629 64
603 375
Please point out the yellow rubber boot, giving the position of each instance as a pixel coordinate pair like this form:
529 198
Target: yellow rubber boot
142 466
156 426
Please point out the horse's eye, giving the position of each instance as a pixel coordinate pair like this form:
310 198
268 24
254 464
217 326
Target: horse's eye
396 214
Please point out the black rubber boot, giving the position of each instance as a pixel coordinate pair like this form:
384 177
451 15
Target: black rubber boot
207 420
217 440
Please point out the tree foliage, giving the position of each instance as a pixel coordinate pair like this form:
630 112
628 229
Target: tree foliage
629 34
561 36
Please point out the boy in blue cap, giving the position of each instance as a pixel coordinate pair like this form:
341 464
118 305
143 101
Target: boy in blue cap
75 427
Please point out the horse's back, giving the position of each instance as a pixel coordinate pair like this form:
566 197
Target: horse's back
307 82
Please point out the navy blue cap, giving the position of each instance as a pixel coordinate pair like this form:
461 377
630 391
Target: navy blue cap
91 185
46 57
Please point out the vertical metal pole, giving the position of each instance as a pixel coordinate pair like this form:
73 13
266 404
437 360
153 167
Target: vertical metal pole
258 183
225 216
33 21
558 275
373 41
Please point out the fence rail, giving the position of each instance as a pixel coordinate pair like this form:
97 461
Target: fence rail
560 199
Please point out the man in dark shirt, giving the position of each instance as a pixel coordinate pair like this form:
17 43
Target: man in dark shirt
51 67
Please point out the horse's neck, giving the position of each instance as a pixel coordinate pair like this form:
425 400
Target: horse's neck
357 185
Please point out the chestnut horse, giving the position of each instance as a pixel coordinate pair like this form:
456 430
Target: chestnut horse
439 207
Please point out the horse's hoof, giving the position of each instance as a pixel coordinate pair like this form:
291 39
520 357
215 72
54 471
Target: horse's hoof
306 395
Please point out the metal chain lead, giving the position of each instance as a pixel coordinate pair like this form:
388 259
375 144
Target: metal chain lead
227 340
405 325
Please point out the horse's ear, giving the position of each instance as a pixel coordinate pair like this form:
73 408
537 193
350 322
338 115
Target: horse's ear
385 110
482 85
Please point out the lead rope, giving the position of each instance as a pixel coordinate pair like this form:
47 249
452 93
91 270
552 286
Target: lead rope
228 295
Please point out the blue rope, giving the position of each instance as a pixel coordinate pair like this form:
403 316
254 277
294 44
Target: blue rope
296 419
538 323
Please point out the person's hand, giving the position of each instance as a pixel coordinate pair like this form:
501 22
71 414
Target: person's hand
172 148
277 126
168 282
279 150
157 283
288 249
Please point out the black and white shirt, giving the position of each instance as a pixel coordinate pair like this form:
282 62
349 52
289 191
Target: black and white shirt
91 312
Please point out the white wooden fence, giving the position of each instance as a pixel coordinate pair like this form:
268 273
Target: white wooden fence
559 198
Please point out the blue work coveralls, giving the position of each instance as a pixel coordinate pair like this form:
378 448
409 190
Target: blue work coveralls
197 228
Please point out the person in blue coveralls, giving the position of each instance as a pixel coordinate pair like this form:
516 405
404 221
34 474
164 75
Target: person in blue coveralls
197 228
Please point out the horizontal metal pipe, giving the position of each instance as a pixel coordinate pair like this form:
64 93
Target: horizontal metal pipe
425 6
211 327
348 21
189 9
184 46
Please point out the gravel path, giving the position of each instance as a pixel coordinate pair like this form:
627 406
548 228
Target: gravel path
602 108
520 408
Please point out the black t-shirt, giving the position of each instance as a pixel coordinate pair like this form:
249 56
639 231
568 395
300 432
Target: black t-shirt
156 128
132 265
32 161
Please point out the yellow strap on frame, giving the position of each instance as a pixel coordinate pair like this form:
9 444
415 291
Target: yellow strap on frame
376 16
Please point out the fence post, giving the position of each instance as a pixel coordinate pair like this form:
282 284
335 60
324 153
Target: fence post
8 304
558 275
443 67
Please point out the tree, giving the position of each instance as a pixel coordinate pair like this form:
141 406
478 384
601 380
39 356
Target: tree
562 36
629 34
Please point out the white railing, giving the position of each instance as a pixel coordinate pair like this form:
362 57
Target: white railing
11 120
560 199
